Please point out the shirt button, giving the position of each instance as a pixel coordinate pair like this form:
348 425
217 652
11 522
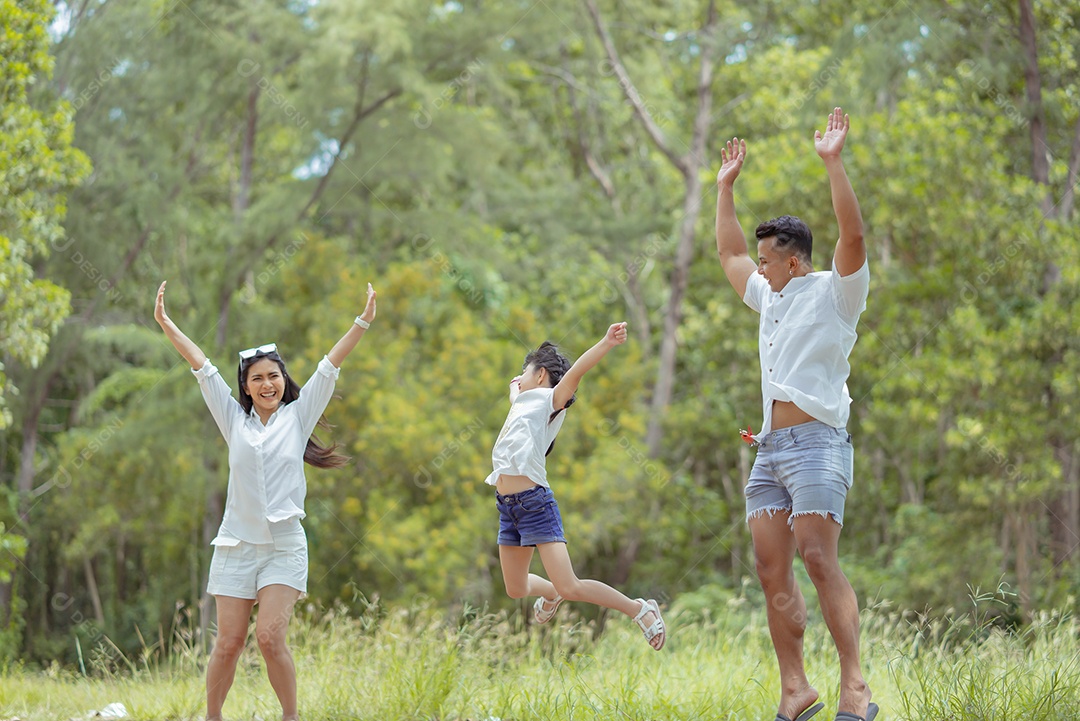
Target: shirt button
776 321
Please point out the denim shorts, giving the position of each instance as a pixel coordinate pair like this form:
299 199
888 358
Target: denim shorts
802 469
529 518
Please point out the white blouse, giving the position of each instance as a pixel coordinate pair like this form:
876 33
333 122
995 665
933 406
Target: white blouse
525 437
806 333
266 462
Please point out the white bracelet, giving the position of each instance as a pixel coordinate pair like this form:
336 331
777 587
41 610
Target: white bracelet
362 323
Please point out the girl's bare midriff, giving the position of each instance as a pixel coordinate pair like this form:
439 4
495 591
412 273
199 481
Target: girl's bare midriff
507 485
786 414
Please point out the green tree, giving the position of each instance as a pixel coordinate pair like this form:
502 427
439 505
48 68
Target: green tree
38 165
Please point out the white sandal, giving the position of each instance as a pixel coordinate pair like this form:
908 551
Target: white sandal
657 627
542 615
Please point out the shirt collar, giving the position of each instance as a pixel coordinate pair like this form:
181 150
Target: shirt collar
798 283
254 414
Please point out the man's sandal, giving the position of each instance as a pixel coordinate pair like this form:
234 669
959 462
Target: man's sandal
805 715
871 714
657 627
543 615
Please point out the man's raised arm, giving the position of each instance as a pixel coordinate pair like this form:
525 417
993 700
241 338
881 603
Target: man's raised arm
850 249
730 241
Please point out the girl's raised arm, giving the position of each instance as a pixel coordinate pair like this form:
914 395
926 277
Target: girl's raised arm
187 348
564 391
348 341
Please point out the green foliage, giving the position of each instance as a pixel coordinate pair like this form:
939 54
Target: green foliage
37 166
482 168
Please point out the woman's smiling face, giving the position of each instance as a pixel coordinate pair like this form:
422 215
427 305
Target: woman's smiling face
265 384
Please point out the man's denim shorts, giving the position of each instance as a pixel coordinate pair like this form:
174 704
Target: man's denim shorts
529 518
802 469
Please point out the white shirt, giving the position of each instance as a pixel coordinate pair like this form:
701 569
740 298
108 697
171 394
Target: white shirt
525 437
806 332
266 462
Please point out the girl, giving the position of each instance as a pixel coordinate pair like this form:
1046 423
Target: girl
528 514
260 553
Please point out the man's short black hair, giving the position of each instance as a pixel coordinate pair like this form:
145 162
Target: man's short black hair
791 234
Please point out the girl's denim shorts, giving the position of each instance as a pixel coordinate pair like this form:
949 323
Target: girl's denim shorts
802 469
529 518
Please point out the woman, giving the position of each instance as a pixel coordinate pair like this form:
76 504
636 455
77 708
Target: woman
260 552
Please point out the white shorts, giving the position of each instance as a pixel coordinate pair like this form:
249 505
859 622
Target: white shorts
241 571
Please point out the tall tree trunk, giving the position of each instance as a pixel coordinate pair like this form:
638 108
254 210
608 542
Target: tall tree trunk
689 166
1040 162
92 588
1064 511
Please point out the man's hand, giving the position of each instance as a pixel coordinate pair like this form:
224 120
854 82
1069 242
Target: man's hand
733 155
831 143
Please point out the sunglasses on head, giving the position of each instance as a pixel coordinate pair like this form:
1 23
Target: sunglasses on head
263 349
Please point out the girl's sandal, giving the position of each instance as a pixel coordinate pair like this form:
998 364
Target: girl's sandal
543 615
657 627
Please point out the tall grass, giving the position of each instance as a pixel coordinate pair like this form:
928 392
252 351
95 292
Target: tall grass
418 663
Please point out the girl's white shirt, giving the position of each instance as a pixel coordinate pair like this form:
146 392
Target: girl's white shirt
267 486
526 435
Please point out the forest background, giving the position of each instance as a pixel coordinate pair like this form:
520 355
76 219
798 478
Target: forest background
506 173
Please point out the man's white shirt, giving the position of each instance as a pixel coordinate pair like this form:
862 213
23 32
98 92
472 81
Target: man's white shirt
806 332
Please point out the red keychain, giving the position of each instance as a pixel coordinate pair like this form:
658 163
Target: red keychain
747 435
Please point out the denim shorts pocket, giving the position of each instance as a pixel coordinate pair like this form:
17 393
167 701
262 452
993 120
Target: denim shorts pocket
536 504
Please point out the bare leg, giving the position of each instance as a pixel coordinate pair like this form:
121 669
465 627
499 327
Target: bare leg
232 625
774 552
557 563
818 540
276 603
519 582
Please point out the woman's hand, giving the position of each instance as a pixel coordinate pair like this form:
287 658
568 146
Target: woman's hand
159 306
369 310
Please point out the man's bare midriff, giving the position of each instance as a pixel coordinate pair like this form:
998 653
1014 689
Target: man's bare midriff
786 414
507 485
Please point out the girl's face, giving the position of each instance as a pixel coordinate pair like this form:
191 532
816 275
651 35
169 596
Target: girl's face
533 377
265 384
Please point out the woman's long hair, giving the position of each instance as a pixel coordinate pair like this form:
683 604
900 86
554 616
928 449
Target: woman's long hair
548 357
315 454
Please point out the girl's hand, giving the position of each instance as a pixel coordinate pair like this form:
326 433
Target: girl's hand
616 334
369 310
159 305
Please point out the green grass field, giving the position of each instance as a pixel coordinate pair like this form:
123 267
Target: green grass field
420 664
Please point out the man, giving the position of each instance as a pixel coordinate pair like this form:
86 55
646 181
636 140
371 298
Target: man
796 491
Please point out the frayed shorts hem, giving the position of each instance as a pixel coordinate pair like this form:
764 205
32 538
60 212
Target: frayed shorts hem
773 510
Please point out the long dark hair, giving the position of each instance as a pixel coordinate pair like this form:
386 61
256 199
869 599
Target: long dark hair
315 454
548 357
